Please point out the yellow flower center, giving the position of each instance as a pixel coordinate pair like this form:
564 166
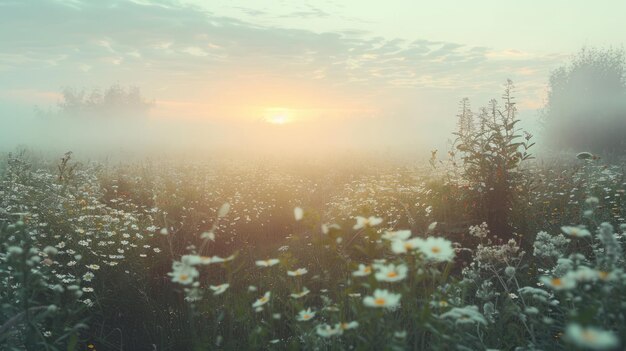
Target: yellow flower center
367 269
306 316
392 275
603 275
408 246
184 277
435 249
380 301
588 336
556 282
263 299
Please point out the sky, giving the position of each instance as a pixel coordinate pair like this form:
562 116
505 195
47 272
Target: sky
292 72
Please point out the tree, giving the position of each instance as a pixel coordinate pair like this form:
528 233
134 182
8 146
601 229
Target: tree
586 106
114 101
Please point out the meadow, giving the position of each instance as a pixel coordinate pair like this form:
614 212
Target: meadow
189 175
362 254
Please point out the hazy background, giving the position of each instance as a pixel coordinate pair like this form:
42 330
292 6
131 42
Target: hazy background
346 75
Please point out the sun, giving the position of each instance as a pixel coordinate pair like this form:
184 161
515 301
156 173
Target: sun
278 119
278 115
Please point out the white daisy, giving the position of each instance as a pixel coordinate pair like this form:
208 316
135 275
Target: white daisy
362 271
192 260
585 274
576 232
267 263
382 299
591 337
327 331
566 282
297 272
183 273
437 249
219 289
362 222
262 300
608 276
403 246
305 315
391 273
396 235
303 293
88 276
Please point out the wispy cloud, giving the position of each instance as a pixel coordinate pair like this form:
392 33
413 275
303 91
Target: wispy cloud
48 44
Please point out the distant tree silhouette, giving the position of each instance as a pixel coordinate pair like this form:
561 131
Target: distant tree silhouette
114 101
586 106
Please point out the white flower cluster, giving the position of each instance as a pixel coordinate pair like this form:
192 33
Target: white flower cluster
184 272
433 249
480 231
549 246
494 255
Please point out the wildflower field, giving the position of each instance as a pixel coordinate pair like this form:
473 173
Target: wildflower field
191 175
177 255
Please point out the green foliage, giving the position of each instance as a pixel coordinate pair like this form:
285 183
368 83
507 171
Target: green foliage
491 149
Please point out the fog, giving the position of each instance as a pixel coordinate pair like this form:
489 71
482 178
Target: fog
122 123
136 137
355 85
586 107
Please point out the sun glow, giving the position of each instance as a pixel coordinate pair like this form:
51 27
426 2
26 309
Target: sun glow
278 116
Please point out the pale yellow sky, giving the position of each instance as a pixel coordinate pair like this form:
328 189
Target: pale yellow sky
399 65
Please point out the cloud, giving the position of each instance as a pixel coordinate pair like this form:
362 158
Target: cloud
181 49
310 12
